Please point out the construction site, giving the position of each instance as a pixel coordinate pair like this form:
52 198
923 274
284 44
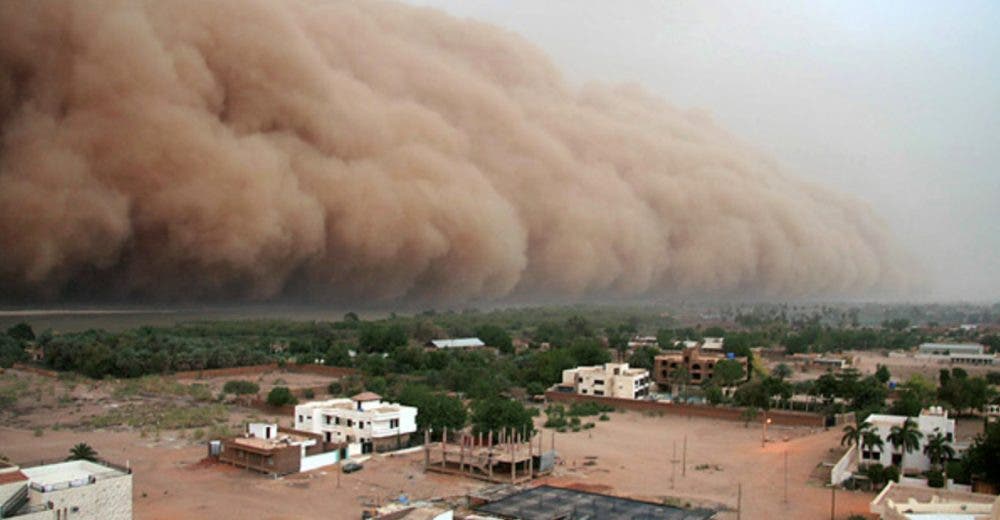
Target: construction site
509 457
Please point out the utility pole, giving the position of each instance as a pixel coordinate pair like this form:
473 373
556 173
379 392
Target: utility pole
786 476
833 502
739 500
673 466
684 457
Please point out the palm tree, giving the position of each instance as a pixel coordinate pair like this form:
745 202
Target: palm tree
905 436
938 449
82 451
871 439
854 432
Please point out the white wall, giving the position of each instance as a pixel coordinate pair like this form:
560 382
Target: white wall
318 461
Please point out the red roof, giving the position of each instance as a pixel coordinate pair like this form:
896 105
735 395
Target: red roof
12 476
367 396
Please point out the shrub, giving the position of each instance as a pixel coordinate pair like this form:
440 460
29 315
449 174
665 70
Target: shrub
589 408
876 473
335 388
281 396
308 393
935 479
891 473
240 387
604 417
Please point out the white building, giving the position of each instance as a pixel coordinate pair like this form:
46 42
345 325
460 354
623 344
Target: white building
906 502
456 343
363 422
957 353
77 489
929 422
713 344
608 380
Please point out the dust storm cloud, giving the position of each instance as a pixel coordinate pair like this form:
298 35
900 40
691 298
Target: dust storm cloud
329 150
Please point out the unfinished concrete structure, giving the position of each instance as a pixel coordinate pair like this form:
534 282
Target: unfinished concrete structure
514 457
552 503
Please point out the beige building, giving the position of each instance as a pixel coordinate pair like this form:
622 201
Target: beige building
77 489
698 363
608 380
905 502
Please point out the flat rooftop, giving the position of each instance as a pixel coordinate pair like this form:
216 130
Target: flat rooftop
69 471
281 441
551 503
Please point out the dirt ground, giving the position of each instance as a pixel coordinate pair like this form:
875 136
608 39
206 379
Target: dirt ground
631 455
628 455
269 380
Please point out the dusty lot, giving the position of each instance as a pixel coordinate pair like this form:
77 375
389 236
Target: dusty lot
628 455
631 454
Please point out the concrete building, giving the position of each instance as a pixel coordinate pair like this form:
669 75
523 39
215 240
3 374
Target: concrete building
698 363
643 341
269 448
957 353
364 423
905 502
77 489
608 380
929 422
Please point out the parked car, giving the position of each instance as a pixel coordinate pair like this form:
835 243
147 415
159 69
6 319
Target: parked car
351 467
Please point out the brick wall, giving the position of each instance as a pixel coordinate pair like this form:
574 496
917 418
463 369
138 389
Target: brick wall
711 412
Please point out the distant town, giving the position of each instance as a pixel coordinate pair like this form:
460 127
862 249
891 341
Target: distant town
674 411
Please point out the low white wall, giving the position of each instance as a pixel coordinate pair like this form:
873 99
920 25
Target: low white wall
318 461
844 467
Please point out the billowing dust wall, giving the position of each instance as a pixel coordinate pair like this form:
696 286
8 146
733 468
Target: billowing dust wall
339 150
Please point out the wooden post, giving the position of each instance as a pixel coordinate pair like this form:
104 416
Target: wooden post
444 448
461 454
513 463
489 459
531 457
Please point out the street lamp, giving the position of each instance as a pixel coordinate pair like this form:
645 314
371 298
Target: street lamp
763 435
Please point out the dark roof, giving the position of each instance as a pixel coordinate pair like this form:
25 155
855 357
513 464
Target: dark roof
367 396
547 502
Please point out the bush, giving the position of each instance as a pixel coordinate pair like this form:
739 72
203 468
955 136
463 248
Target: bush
604 417
240 387
589 408
935 479
281 396
892 473
308 393
876 473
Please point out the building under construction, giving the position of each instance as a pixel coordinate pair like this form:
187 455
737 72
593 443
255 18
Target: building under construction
510 457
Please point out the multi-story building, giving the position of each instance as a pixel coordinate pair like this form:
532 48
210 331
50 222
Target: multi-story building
930 421
269 448
78 489
608 380
698 364
363 422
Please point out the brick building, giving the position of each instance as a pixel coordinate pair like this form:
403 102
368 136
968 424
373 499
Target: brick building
696 361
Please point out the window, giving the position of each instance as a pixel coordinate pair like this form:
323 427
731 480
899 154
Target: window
350 422
302 418
598 392
394 423
583 390
327 419
336 420
598 381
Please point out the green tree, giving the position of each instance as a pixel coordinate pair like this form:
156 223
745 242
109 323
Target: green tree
21 332
82 451
643 357
882 374
435 411
727 372
496 337
853 433
982 456
871 440
11 351
905 437
497 414
782 371
938 449
281 396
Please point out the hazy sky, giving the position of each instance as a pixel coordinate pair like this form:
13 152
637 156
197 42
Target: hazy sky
895 102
